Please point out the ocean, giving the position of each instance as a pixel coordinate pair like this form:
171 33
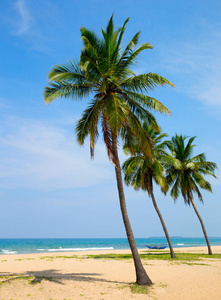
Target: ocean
50 245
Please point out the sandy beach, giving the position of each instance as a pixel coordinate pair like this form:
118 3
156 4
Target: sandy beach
55 276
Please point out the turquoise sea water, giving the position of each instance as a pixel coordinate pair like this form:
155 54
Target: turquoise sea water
21 246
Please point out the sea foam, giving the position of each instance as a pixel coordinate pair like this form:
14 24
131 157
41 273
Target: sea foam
9 251
76 249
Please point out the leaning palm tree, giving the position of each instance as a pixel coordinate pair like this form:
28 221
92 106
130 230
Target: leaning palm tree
118 102
185 174
141 170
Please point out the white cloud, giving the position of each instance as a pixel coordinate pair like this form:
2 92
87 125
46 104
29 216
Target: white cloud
34 154
31 22
198 67
25 17
210 94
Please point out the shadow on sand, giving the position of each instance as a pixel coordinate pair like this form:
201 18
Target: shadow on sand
54 276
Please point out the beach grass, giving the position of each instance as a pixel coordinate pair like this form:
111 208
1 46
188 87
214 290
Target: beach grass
156 256
145 255
31 279
139 289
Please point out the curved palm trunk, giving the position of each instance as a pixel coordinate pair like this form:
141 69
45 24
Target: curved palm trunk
203 227
141 275
163 224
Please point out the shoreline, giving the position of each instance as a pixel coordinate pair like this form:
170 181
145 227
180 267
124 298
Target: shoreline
198 249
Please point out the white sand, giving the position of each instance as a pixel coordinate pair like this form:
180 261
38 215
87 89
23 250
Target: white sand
63 278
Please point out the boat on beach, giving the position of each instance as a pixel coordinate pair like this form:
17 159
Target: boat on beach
155 247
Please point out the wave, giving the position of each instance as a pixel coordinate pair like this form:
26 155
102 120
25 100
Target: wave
180 244
8 251
76 249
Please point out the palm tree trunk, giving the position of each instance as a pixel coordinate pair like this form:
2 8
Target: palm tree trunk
163 224
141 275
203 227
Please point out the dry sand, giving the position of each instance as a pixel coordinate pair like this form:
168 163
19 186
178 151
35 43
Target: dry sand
95 279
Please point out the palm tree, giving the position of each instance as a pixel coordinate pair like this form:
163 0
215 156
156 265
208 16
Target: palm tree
118 102
140 170
185 174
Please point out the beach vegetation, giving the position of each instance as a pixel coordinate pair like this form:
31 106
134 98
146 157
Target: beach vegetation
141 170
66 256
194 264
185 174
138 289
120 287
163 285
157 256
119 102
13 277
31 279
146 255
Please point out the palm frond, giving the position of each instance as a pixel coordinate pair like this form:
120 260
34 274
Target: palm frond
88 122
198 193
62 89
142 136
129 57
121 31
189 148
69 72
148 102
171 161
142 114
175 191
116 111
144 82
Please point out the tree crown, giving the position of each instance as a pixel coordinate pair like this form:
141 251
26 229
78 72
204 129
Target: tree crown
103 73
140 169
185 172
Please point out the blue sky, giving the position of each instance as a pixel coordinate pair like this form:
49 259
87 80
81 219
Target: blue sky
49 187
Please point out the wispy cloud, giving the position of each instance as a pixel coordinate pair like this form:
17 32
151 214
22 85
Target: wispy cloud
34 154
210 92
31 22
198 67
25 17
202 76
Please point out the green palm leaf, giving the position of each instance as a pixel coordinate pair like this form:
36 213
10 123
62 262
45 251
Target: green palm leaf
148 102
61 89
88 122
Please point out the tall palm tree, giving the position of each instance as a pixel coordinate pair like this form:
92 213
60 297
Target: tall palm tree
185 174
140 170
118 101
